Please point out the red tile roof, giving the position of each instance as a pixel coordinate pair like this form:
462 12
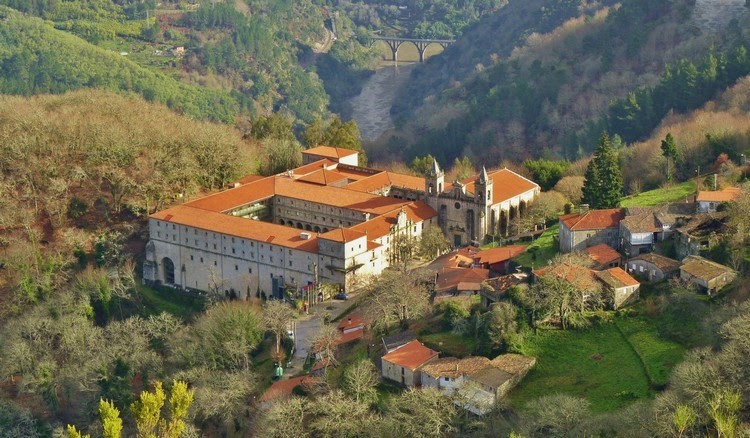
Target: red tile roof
285 388
329 151
346 338
617 277
351 321
411 355
506 184
342 235
728 194
579 276
233 198
594 219
236 226
380 226
322 177
312 167
407 181
450 278
602 254
501 254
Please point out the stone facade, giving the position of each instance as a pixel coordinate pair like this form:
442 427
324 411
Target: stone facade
470 210
326 222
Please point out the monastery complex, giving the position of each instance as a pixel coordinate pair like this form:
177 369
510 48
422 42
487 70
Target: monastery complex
326 222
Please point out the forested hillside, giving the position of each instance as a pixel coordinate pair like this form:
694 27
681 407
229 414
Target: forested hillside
554 91
36 58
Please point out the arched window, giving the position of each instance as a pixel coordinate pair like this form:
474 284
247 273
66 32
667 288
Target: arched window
299 225
308 228
316 229
168 267
281 222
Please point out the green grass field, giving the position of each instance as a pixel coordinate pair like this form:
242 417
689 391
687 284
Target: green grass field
658 355
596 364
449 344
652 198
540 251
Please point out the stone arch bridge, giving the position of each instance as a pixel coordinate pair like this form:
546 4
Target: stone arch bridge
421 44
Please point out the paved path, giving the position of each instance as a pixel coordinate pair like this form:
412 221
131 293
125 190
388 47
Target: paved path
306 329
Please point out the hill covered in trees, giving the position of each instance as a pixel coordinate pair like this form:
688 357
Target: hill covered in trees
37 58
554 90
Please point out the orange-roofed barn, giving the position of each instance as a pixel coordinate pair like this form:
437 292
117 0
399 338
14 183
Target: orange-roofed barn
404 364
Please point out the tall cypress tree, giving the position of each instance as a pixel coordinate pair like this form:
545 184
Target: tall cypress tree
602 187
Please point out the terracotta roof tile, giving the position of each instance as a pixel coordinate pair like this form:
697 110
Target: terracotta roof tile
617 278
666 264
506 184
500 254
642 222
411 355
312 167
704 269
450 278
602 254
406 181
322 177
579 276
594 219
232 198
453 367
329 152
342 235
238 227
353 320
513 363
728 194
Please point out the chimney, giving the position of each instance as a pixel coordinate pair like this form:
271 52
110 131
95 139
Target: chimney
716 185
583 208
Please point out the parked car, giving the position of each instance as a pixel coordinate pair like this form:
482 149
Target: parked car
342 296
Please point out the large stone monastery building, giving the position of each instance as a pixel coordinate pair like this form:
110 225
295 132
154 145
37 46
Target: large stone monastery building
328 221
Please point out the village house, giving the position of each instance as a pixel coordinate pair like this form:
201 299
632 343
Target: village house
622 287
701 233
579 231
603 256
495 289
451 282
483 389
497 260
653 267
707 275
328 221
643 228
397 340
403 365
448 374
709 201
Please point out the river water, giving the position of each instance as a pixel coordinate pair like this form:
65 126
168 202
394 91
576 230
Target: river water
371 109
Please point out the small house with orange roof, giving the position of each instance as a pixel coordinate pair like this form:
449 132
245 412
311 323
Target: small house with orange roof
623 288
498 259
403 365
709 201
579 231
603 256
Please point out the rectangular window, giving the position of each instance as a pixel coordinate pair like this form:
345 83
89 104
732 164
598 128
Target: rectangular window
290 263
232 250
201 259
236 268
191 257
250 270
214 262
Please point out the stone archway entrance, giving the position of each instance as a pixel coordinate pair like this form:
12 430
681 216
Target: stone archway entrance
168 267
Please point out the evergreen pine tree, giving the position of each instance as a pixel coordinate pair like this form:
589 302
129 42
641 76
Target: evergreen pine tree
602 187
670 152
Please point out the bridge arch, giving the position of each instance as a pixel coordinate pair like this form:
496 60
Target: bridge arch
421 44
